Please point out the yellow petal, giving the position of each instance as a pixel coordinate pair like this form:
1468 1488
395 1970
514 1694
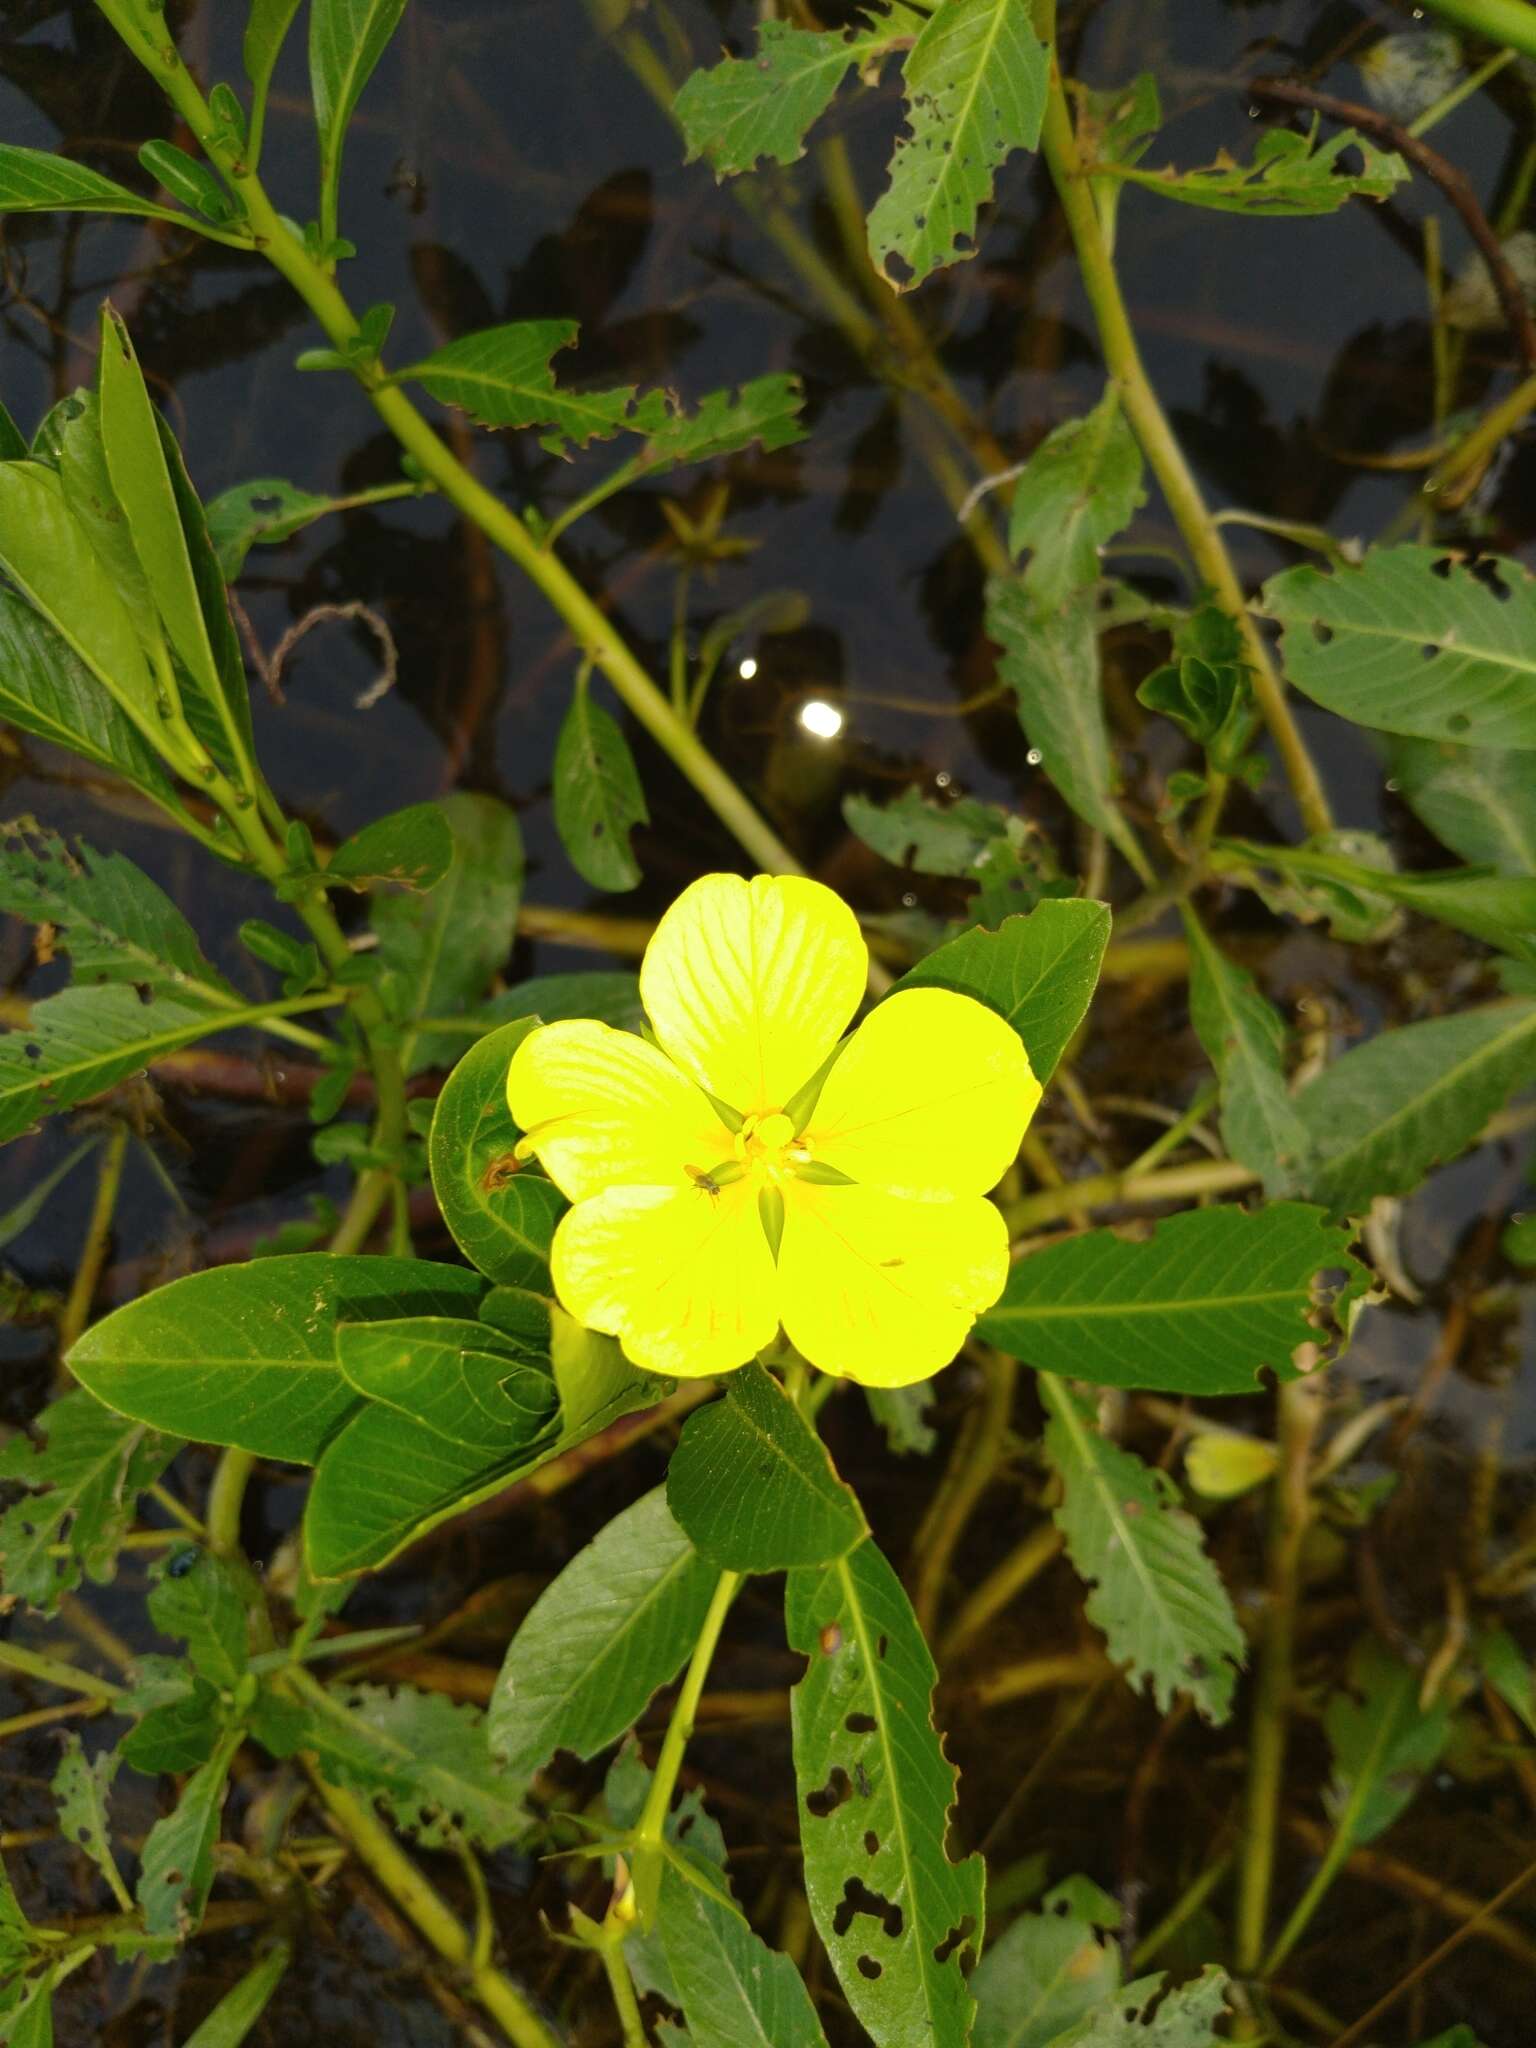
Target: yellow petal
882 1289
749 985
930 1097
601 1108
684 1279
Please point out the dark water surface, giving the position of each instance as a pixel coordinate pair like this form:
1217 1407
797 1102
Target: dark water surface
506 164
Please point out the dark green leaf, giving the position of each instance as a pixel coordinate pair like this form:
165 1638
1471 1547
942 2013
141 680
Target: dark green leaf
618 1623
504 377
443 951
1079 489
413 848
83 1487
33 181
761 106
346 40
176 1868
201 1600
1207 1302
266 510
1038 971
459 1379
13 442
975 82
1413 641
246 1355
178 1734
1152 1590
1244 1041
1290 174
266 25
752 1485
1042 1975
80 1785
242 2006
47 690
1382 1741
1478 801
501 1211
902 1412
875 1793
735 1991
193 183
610 997
598 798
1410 1099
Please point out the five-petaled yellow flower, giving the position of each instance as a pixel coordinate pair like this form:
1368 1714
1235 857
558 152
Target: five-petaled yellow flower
749 1171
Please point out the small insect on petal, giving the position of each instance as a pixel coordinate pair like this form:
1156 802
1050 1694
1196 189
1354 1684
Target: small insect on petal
831 1639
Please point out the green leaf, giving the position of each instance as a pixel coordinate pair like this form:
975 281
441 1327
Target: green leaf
186 179
875 1793
616 1625
385 1480
201 1599
735 1991
761 106
1410 1099
902 1412
176 1867
264 511
242 2006
1038 971
246 1355
753 1486
764 410
1079 489
458 1379
1508 1670
178 1734
598 798
44 551
1382 1742
1148 2015
1478 801
13 442
29 2024
925 834
1202 1306
1287 176
975 81
47 690
267 23
82 467
423 1756
33 181
443 951
83 1488
611 998
1042 1975
1244 1041
112 920
346 40
1153 1591
413 848
501 1211
1413 641
504 377
80 1785
1050 660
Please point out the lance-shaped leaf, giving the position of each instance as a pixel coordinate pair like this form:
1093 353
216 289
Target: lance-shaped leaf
1410 1099
112 920
598 797
761 106
505 377
734 1990
442 951
246 1355
898 1918
1244 1041
975 81
48 691
176 1868
501 1210
1204 1305
1412 641
1038 971
1478 801
753 1486
618 1623
346 40
1078 490
231 2020
1050 660
462 1380
34 181
1289 174
1152 1589
80 1785
85 1040
83 1485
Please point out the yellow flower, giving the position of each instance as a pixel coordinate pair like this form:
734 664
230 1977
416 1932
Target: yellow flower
746 1172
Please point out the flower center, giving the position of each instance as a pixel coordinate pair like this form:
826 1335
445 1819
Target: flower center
768 1148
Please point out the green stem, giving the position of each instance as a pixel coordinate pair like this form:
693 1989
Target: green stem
622 1985
1183 1908
98 1235
54 1671
653 1819
1166 458
1127 1190
983 1438
1448 102
1500 21
226 1497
